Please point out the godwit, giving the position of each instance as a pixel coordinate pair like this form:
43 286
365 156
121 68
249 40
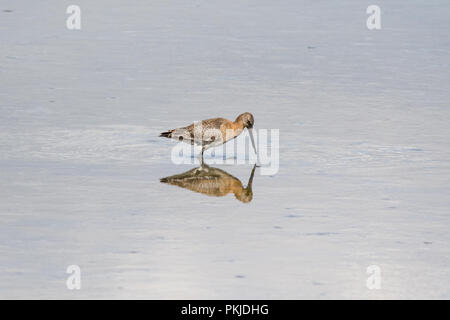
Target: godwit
213 132
213 182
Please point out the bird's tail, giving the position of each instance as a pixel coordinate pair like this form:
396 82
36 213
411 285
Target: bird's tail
167 134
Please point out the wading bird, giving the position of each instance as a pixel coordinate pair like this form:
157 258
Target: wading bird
213 132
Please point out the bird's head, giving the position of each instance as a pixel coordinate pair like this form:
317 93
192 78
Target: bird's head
246 119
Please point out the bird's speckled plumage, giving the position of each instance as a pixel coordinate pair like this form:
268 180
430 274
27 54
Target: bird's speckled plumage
211 132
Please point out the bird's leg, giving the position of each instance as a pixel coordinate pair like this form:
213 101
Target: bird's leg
200 157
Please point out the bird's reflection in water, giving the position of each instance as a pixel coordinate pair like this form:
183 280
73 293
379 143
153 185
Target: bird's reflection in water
212 182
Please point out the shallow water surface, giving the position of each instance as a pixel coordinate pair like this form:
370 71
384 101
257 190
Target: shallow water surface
363 149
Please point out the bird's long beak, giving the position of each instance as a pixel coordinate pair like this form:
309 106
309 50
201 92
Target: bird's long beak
250 130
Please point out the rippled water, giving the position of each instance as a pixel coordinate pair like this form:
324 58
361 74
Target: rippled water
364 150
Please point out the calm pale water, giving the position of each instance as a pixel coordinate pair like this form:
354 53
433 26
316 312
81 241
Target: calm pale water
364 149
